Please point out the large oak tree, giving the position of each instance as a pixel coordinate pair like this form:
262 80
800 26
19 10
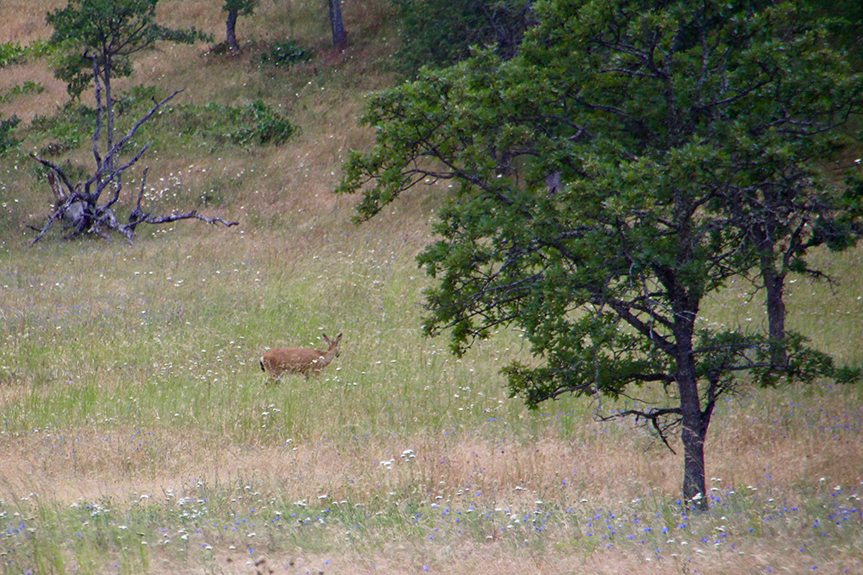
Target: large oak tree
631 160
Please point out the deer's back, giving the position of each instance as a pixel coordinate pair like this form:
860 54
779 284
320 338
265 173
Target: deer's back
293 360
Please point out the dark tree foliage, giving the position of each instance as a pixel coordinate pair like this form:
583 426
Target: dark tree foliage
438 33
845 23
631 160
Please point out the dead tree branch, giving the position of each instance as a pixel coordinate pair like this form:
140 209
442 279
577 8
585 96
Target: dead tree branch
79 206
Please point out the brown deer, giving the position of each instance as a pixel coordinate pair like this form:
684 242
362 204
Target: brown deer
299 359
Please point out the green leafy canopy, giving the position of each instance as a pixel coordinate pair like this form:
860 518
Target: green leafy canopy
241 7
668 127
632 158
111 31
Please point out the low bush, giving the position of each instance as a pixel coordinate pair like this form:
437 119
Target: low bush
286 54
255 123
7 137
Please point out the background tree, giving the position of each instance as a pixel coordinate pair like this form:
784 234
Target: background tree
627 163
340 36
99 37
236 8
438 33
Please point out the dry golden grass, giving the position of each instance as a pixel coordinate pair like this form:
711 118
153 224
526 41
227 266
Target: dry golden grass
26 106
746 456
747 448
24 21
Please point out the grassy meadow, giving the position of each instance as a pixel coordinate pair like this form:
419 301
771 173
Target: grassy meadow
138 434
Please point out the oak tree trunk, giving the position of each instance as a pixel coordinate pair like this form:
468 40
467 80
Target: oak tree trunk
693 435
231 31
774 286
694 421
340 37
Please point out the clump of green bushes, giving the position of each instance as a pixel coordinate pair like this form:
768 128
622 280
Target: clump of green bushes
255 123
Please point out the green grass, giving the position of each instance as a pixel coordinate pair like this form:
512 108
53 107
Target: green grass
138 434
131 371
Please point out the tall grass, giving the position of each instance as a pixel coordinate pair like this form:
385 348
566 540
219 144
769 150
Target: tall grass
138 433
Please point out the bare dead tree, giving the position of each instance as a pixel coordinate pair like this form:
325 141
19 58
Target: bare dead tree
78 205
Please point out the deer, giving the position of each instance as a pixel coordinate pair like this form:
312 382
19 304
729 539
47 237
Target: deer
299 359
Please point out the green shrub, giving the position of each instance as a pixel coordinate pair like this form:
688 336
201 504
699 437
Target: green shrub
136 99
243 125
269 127
14 53
286 54
39 49
65 129
11 53
28 87
7 138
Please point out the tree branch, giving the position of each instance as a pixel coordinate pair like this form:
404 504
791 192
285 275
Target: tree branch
655 417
